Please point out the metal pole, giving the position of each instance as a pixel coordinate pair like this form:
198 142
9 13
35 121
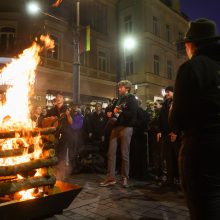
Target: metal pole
76 58
124 74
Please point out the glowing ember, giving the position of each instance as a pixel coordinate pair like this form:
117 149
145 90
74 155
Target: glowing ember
26 194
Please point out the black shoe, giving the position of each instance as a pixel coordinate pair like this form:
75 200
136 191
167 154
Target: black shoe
75 171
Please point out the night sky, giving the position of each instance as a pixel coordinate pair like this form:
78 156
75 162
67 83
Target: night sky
202 8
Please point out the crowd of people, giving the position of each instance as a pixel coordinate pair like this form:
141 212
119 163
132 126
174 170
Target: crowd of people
142 137
139 142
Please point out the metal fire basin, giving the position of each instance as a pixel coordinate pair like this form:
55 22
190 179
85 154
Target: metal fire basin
42 207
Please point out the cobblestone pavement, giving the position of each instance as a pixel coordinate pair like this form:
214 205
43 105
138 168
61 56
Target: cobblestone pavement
142 200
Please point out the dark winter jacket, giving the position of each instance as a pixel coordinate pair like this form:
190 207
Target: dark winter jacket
196 104
164 126
142 121
60 114
98 122
87 127
129 107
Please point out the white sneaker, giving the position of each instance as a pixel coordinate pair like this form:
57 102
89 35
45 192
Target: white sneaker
125 182
108 182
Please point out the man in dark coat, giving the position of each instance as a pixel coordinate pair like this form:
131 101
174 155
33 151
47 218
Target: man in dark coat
138 146
196 111
125 115
170 140
98 122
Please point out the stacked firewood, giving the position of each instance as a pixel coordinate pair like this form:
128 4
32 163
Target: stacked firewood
9 181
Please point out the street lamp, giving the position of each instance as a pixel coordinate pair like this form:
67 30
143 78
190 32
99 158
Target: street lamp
129 43
33 8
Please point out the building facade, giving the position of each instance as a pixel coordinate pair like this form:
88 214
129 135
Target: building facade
55 73
152 65
155 25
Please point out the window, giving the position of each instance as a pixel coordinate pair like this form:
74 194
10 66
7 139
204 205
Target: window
129 65
128 24
156 64
54 53
169 69
84 59
102 61
99 17
180 36
155 26
168 33
7 38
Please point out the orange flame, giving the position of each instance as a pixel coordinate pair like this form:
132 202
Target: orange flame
57 3
19 76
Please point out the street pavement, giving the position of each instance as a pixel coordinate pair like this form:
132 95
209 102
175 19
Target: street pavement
142 200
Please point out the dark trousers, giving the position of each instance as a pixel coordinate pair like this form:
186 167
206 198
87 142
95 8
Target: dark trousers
171 156
65 142
75 148
138 155
199 162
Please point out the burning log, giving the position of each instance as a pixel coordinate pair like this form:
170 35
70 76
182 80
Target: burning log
46 131
4 178
49 153
16 152
47 171
49 138
9 187
49 145
24 167
26 132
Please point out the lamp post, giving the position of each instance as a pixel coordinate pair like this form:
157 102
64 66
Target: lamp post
76 58
129 43
33 8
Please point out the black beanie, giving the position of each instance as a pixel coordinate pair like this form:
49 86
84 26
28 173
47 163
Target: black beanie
169 88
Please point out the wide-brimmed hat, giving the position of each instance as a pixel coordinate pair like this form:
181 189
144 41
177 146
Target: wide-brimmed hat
201 29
